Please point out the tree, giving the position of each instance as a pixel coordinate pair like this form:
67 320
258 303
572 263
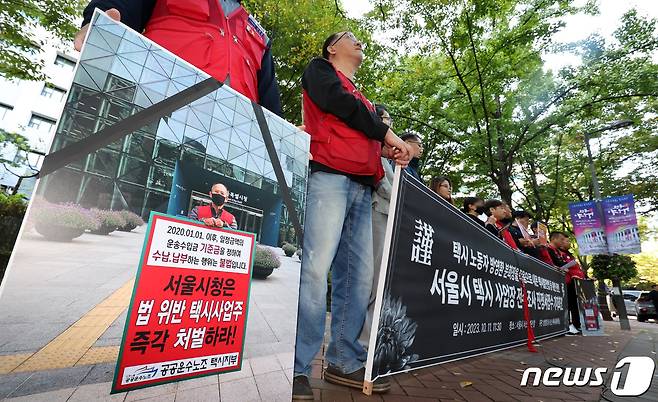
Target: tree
475 86
647 275
14 141
615 267
297 29
19 41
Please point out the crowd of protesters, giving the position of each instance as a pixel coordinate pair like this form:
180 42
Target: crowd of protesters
354 156
354 151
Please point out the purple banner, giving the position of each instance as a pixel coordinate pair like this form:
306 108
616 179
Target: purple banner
588 227
621 225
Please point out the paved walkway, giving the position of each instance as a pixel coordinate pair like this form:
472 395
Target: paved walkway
61 327
497 376
494 377
63 310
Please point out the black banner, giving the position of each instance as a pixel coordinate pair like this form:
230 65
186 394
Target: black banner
452 290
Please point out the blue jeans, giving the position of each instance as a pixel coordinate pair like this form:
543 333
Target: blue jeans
337 236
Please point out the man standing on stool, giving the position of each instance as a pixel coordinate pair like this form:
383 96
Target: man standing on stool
346 144
216 36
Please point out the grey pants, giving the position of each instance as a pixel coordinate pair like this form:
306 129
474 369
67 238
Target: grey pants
378 233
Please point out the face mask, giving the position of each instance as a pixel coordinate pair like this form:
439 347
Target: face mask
218 199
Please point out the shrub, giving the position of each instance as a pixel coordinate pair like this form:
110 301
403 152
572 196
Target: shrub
266 258
12 205
289 249
109 220
131 219
64 215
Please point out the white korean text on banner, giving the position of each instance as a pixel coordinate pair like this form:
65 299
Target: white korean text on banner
450 290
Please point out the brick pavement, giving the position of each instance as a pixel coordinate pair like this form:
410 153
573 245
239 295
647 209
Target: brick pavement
497 376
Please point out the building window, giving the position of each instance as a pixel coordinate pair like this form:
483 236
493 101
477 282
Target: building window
64 63
4 110
41 124
52 92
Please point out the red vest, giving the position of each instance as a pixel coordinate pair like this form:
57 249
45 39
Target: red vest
223 46
507 236
336 145
205 211
575 271
545 256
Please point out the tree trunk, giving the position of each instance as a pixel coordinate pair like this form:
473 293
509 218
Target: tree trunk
504 188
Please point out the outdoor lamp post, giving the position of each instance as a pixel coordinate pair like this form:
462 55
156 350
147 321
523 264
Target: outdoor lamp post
612 126
603 303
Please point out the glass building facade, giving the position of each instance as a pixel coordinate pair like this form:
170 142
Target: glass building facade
170 164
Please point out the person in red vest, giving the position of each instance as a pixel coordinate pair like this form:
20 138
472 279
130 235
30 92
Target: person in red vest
217 36
558 248
347 142
214 214
498 213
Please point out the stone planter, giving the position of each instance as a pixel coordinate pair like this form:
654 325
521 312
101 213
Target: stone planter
262 272
104 230
58 232
127 228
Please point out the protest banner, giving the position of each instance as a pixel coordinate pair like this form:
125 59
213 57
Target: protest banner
588 228
188 311
449 290
153 142
591 323
621 227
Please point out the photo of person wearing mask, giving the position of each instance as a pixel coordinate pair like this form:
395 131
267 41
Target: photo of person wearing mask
214 214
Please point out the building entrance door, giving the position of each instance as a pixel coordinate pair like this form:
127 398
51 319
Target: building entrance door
249 219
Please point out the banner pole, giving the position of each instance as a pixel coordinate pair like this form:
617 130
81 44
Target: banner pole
381 281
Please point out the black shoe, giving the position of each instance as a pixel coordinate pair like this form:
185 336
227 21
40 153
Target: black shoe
354 380
301 389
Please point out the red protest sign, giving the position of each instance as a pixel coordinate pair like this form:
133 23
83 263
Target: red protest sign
188 311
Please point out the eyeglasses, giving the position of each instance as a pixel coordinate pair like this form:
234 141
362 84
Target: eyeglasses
446 185
350 36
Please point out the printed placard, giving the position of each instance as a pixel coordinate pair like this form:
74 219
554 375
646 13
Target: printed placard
588 228
188 312
621 227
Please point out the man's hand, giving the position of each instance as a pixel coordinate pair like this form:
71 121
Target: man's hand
219 223
303 128
398 150
491 220
208 221
80 35
526 242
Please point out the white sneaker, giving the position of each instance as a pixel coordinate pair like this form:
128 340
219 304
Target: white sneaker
572 330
